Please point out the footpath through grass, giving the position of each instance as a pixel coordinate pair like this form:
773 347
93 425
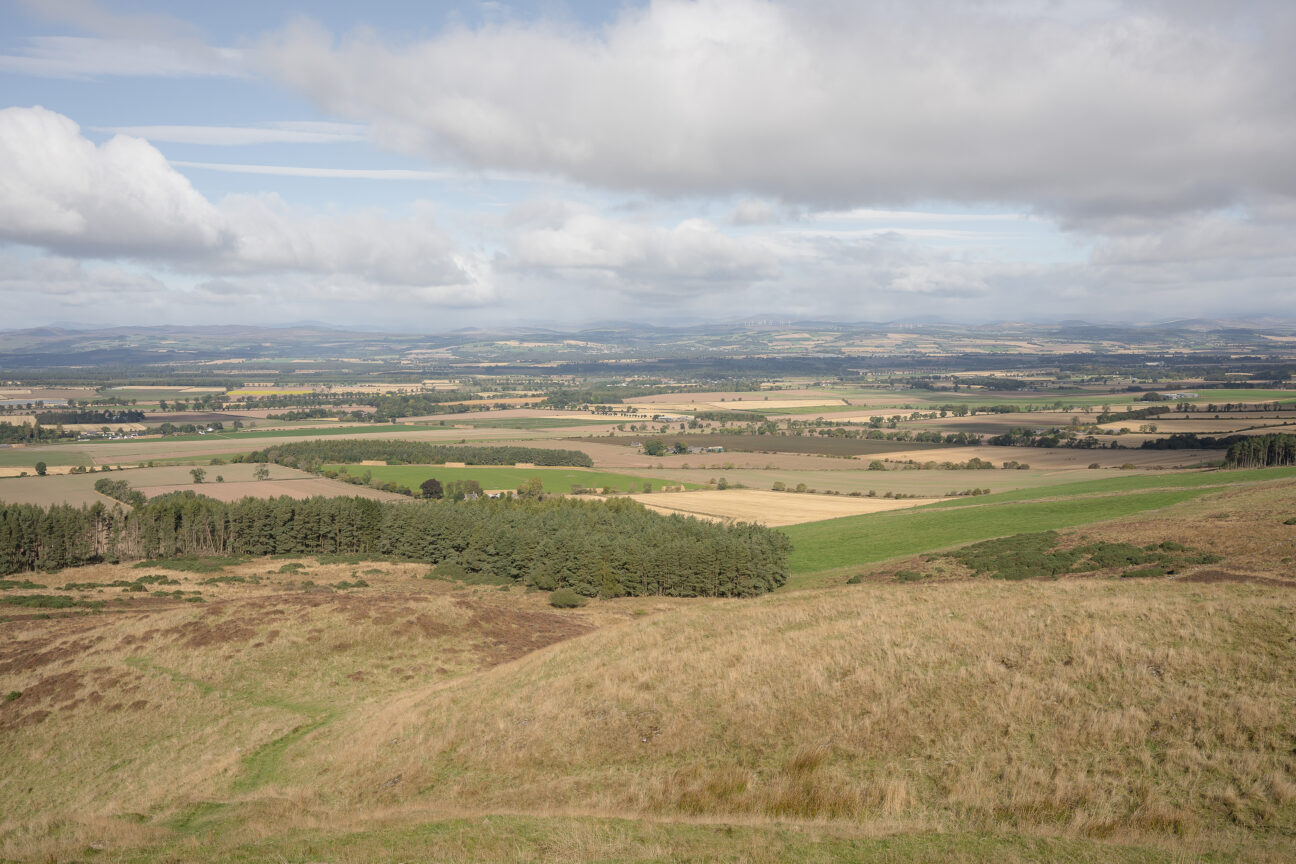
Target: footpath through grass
490 838
876 537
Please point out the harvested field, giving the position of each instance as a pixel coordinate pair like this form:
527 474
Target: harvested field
77 489
618 456
806 444
726 397
307 487
141 450
768 508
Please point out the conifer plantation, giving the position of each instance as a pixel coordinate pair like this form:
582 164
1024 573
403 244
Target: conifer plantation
613 549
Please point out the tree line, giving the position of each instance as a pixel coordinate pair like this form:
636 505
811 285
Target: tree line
26 433
1262 451
612 548
55 417
309 455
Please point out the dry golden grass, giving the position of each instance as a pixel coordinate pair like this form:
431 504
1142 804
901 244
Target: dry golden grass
1085 707
1081 712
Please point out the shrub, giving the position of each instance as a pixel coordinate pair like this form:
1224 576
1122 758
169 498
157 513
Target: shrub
565 598
452 570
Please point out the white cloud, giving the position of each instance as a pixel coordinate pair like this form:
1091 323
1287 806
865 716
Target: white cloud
1072 109
121 199
60 191
580 242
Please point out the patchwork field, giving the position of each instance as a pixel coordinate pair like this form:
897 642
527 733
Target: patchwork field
925 484
810 445
1061 458
556 480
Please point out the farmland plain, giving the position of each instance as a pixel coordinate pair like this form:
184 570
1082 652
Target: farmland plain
887 703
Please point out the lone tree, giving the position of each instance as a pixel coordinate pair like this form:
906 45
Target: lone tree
198 474
654 447
40 469
432 488
261 473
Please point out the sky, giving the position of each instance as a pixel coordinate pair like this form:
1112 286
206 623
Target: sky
425 166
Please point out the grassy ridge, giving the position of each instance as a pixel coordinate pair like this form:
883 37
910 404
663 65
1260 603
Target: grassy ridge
556 480
876 537
1131 484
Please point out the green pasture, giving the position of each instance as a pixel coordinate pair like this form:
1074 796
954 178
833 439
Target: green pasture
556 480
1140 482
876 537
923 483
22 457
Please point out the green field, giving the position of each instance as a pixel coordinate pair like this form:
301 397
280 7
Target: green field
556 480
22 457
876 537
1142 482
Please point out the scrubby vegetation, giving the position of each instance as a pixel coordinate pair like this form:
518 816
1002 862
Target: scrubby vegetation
1035 556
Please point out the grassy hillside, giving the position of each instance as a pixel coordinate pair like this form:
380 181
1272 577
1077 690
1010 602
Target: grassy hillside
356 711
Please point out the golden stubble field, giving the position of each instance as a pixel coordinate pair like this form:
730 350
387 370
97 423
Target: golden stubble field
768 507
239 482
